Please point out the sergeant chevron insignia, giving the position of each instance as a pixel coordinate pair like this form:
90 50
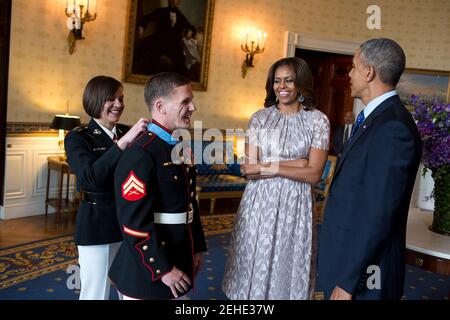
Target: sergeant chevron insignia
133 189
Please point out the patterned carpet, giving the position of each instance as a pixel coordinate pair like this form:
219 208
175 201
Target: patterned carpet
41 270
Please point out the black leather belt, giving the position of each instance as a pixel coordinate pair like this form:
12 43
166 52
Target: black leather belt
101 198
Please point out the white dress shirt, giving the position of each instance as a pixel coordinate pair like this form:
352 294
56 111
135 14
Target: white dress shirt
372 105
110 133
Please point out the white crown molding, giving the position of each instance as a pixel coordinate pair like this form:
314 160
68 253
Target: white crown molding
312 42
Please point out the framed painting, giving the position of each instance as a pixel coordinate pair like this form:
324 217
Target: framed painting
168 35
427 84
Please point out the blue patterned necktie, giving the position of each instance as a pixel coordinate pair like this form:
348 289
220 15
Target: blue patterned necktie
359 120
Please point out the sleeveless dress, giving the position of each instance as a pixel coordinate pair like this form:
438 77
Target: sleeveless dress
270 251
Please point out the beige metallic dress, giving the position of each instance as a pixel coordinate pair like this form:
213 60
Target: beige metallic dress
270 251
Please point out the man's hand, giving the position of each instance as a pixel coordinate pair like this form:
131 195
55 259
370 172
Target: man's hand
340 294
198 261
176 280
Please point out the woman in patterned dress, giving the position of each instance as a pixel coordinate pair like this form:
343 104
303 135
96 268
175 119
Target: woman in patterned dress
271 249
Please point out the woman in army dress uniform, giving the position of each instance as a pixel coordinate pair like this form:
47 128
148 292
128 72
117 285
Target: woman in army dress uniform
93 152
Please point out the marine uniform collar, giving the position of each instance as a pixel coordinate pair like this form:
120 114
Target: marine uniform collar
162 132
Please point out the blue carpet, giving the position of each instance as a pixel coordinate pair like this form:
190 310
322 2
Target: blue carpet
40 271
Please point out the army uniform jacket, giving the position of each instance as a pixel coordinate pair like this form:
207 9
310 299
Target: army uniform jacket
146 181
93 156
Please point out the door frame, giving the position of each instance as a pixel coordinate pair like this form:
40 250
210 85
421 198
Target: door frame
312 42
4 66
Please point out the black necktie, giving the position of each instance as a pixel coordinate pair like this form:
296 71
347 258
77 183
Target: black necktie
114 137
346 134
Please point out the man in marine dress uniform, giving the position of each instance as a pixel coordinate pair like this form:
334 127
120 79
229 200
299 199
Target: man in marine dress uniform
156 206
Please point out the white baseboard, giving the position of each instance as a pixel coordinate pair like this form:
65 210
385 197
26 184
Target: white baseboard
25 210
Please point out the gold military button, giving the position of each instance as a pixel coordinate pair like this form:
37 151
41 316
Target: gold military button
163 243
158 271
192 194
175 177
151 260
187 169
190 181
145 248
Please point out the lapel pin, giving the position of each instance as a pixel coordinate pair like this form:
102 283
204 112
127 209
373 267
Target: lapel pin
165 164
97 132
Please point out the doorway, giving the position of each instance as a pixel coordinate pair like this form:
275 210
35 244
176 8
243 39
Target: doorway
331 83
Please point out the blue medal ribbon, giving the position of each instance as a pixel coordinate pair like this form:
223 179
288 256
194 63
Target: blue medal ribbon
163 134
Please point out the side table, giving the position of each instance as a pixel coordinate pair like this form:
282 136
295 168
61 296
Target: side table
59 165
424 248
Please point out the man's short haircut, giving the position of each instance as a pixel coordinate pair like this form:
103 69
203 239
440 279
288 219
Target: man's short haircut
387 58
161 85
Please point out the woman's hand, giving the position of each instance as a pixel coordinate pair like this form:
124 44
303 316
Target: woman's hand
250 169
133 133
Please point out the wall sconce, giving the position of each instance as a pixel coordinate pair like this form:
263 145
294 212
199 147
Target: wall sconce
76 17
248 41
64 123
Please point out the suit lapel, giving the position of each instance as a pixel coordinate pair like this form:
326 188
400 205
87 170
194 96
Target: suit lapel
365 127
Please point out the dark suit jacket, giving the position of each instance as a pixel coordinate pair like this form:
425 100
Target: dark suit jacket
93 157
338 144
367 207
149 249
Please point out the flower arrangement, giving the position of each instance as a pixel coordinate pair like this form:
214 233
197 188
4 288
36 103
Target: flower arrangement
433 121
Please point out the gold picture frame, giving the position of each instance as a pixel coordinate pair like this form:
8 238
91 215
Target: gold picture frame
426 83
161 39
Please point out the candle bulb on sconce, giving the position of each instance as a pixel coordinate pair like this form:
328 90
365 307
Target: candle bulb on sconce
256 37
77 15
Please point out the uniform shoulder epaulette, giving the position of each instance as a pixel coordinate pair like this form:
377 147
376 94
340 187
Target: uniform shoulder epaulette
80 128
144 139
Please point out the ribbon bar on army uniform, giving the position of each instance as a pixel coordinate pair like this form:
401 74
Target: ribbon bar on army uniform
174 218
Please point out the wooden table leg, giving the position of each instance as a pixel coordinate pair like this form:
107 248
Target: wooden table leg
46 193
60 189
212 205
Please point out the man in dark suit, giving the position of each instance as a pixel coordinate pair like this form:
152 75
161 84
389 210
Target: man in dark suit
156 205
162 50
342 133
362 239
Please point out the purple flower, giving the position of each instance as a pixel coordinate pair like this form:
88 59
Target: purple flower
433 122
